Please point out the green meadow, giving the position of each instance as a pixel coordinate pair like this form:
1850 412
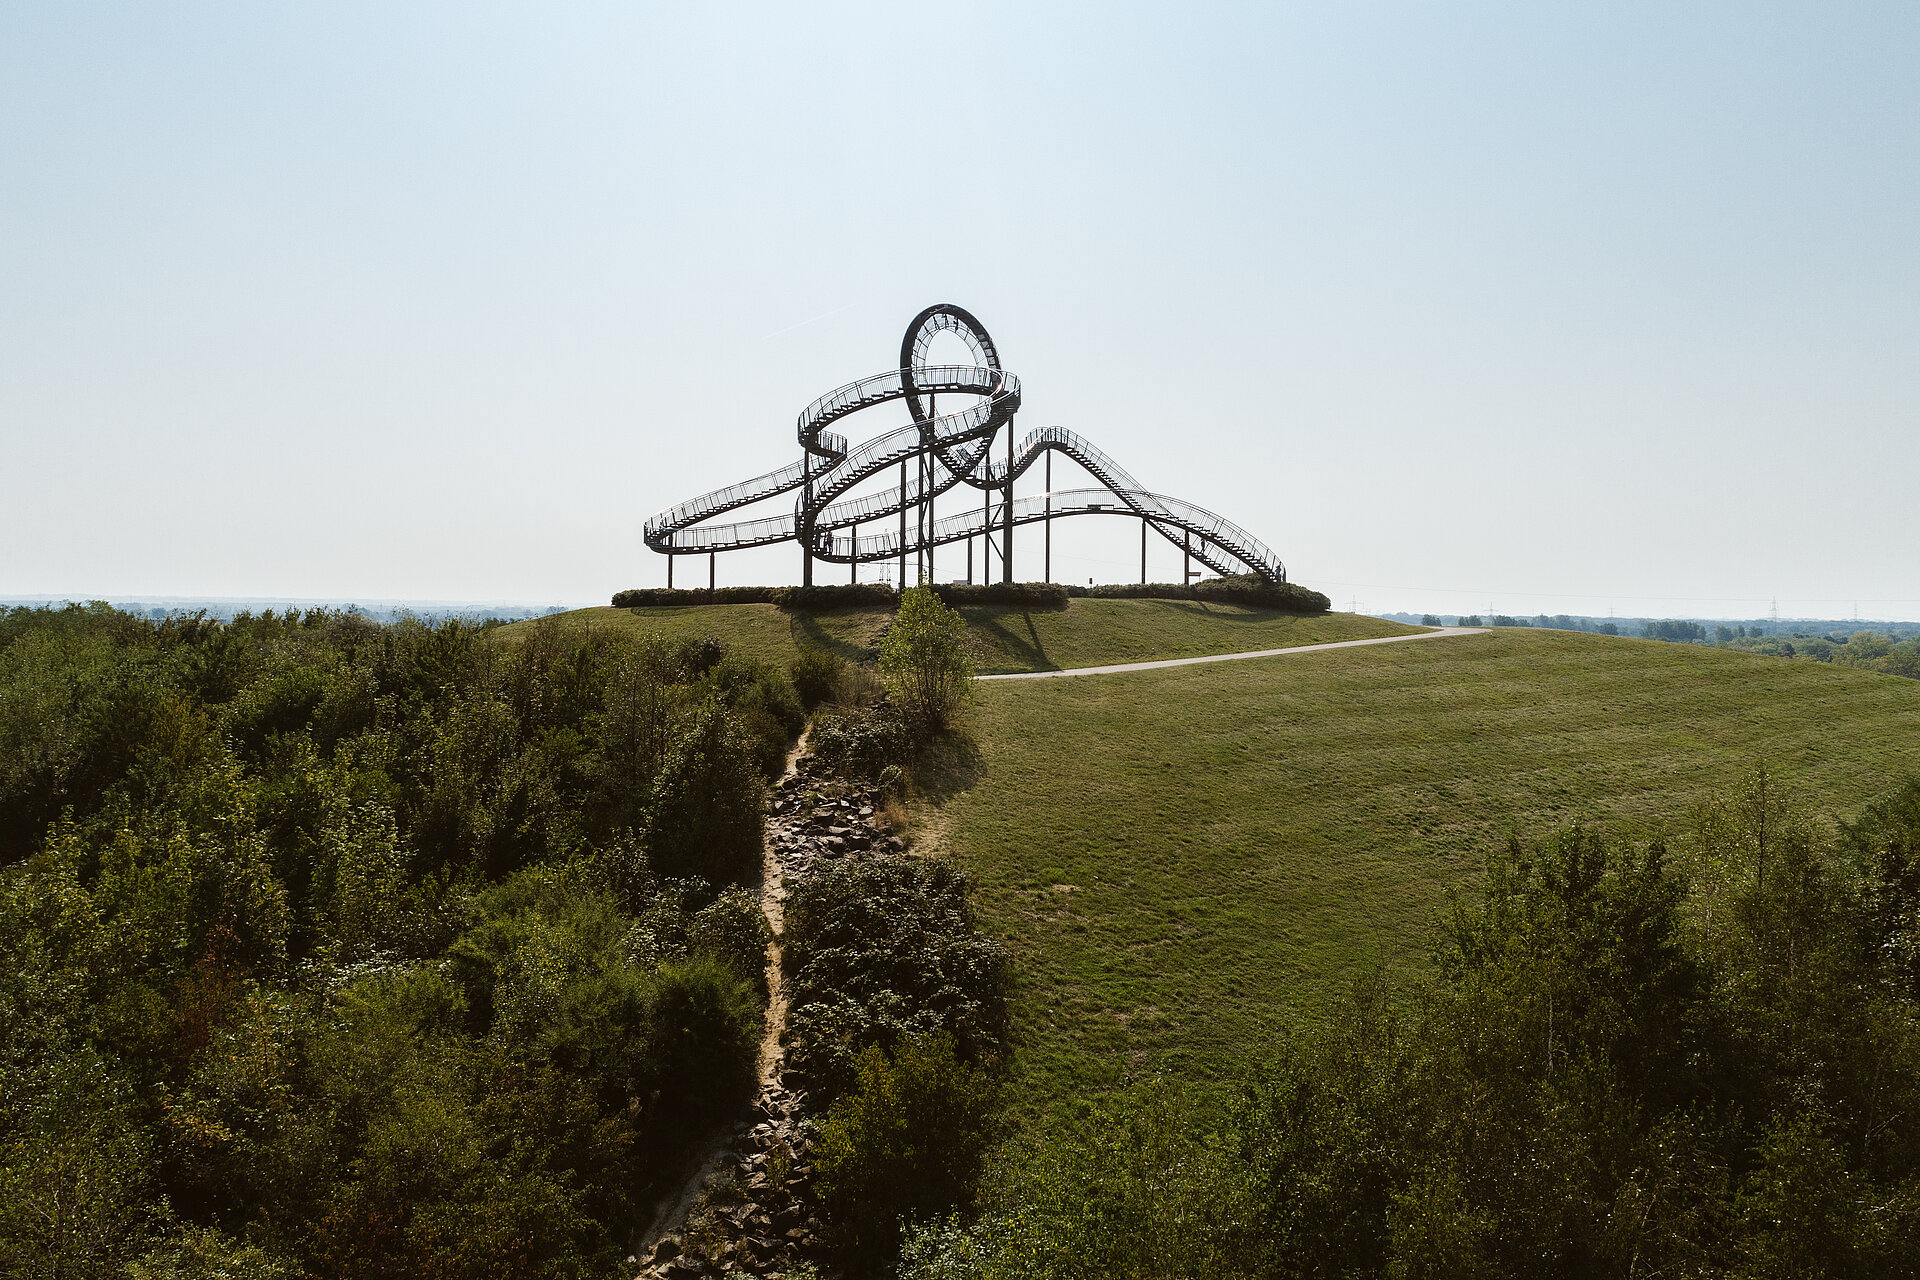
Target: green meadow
1185 861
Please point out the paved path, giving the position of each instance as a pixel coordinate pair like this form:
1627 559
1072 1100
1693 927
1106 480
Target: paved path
1436 634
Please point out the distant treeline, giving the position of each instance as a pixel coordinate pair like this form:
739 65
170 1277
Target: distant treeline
1684 630
226 610
1246 589
1892 651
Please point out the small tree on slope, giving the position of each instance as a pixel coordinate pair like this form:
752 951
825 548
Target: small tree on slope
924 659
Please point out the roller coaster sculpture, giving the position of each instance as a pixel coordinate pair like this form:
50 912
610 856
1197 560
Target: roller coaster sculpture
944 450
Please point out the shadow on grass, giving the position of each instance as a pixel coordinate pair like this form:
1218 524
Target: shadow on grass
1242 616
947 766
1021 649
807 632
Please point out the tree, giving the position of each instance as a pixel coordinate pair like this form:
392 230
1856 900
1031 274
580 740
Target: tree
924 659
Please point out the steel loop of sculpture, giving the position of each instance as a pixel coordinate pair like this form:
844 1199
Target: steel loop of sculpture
942 450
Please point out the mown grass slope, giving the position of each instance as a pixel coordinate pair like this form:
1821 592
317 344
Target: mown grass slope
1186 860
1085 633
1090 633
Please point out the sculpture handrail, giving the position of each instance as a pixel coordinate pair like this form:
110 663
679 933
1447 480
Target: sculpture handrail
1216 533
953 448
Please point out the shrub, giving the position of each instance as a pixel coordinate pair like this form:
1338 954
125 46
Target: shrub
907 1143
1248 589
1023 595
877 953
839 595
654 597
733 930
706 1022
862 743
816 674
833 595
764 701
923 658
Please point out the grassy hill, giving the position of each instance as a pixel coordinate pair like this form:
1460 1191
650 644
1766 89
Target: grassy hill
762 630
1185 860
1085 633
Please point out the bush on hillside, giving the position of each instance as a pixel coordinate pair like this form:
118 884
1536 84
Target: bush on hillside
1246 589
907 1143
832 595
879 953
862 742
1018 595
656 597
923 659
836 595
816 675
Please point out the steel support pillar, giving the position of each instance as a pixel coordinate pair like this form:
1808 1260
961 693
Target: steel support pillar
902 584
986 535
1046 563
1186 557
711 557
669 572
853 555
1143 551
1006 516
800 525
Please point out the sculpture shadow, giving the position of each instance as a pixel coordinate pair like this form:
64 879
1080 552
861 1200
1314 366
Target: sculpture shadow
807 632
1027 649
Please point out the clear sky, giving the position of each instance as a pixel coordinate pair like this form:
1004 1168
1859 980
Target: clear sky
1538 307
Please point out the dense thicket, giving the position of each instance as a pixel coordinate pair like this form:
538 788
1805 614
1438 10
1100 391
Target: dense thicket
341 949
884 952
1631 1061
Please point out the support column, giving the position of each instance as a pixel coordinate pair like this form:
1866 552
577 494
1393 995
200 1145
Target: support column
711 556
669 571
902 584
969 559
1006 515
803 529
1143 551
853 555
986 535
1046 569
926 490
1186 557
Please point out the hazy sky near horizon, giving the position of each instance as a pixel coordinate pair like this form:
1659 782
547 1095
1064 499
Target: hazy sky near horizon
1537 308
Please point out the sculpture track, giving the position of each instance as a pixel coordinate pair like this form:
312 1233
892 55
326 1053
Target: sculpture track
945 450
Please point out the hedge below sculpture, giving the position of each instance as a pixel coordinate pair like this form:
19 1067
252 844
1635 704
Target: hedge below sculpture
1244 589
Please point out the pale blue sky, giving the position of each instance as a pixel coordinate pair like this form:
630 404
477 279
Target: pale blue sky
1529 306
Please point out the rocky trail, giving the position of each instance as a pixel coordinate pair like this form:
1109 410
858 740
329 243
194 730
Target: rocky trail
747 1208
